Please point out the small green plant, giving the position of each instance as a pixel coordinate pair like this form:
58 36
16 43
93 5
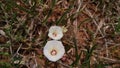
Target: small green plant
5 65
117 27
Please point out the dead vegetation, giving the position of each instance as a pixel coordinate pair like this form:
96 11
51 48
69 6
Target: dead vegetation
92 39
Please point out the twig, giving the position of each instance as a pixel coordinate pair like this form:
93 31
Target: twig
64 64
108 59
35 60
17 51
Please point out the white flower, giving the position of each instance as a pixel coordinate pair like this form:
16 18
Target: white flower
55 32
54 50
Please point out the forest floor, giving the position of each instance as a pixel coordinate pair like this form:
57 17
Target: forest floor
92 39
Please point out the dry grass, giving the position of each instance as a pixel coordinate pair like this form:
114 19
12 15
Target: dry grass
92 39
